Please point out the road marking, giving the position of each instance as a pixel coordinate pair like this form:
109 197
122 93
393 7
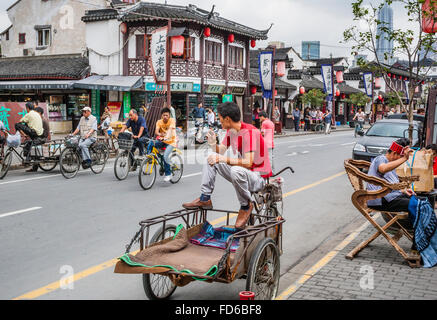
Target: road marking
19 211
348 144
304 152
309 139
292 154
192 175
105 265
322 262
30 179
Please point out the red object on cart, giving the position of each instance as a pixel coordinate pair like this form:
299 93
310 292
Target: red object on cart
247 295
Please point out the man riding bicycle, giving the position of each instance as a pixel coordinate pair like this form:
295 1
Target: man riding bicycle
87 128
246 170
140 134
166 138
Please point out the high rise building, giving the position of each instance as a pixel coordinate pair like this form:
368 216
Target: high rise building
310 50
383 44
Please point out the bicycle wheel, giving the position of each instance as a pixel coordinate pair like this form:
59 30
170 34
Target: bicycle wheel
159 287
177 167
147 174
99 156
264 269
122 165
69 162
47 166
5 164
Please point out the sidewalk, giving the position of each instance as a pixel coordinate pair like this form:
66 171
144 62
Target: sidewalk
376 273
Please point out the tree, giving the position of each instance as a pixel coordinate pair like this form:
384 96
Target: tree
411 43
314 97
358 99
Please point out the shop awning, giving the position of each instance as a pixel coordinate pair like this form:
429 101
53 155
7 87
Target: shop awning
36 84
110 83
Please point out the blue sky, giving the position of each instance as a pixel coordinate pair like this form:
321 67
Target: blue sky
294 20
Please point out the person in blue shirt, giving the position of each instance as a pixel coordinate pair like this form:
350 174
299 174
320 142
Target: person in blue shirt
327 118
138 126
199 113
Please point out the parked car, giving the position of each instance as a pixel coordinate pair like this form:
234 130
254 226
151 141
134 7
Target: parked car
379 137
416 117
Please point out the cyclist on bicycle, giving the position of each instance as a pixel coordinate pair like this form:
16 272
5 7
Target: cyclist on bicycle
246 171
140 134
87 128
360 116
166 138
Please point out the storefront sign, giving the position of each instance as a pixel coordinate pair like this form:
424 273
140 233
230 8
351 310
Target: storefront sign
238 90
114 110
175 87
12 112
159 54
266 73
214 89
95 104
227 98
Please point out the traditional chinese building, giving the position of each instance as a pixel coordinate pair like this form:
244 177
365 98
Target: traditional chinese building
209 60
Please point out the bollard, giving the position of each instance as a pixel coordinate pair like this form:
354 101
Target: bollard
247 295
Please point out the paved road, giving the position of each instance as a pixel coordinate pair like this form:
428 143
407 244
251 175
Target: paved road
82 224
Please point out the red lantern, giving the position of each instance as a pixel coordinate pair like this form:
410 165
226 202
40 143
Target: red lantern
379 97
276 92
343 96
429 24
389 75
253 43
207 32
301 90
177 46
337 93
339 76
400 77
123 27
405 79
252 90
394 76
280 68
231 38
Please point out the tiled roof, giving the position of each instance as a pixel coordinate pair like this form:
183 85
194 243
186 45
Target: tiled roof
279 84
44 67
157 11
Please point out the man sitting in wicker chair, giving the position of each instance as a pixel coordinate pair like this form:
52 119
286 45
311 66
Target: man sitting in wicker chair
384 167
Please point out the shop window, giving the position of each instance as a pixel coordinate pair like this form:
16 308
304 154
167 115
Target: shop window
189 49
7 35
143 45
21 38
235 56
213 52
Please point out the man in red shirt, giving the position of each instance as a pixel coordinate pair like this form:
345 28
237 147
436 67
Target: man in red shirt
245 169
267 131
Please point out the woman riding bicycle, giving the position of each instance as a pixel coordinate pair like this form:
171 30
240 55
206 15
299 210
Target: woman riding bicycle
166 138
361 117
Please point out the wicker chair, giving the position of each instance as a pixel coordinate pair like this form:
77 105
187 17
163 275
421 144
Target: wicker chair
359 200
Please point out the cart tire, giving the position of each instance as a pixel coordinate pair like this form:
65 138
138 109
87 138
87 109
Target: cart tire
159 287
264 270
147 174
69 162
177 167
47 166
5 164
122 165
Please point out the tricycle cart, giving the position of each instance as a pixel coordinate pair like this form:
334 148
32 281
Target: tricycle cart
171 258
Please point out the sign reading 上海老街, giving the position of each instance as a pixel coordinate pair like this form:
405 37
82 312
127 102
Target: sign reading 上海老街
368 83
158 53
227 98
217 89
175 87
328 80
265 60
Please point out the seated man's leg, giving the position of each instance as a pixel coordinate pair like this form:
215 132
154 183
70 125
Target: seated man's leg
84 147
168 150
132 152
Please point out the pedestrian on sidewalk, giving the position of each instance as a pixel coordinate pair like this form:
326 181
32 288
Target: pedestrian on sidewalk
277 119
327 118
295 115
267 131
307 119
255 115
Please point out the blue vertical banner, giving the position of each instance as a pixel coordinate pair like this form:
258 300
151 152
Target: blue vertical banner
265 60
328 79
368 83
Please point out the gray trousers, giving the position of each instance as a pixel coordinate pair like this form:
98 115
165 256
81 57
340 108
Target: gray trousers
271 159
84 145
245 182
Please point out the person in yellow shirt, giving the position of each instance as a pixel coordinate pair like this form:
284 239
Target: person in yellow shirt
165 138
30 125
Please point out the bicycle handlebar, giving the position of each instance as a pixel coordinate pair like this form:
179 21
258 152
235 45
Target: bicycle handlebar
286 168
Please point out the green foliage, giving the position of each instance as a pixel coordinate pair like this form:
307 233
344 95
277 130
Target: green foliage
358 99
393 100
314 97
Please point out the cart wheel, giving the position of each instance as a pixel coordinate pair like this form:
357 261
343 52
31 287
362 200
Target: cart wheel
5 164
158 287
147 174
99 155
47 166
177 167
122 165
263 273
69 162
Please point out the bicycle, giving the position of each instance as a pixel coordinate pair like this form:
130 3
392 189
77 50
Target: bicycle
122 164
111 141
265 202
358 127
71 157
147 174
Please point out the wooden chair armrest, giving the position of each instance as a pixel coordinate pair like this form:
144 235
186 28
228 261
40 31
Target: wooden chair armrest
409 179
361 164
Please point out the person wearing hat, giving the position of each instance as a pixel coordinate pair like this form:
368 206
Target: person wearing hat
87 129
384 167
